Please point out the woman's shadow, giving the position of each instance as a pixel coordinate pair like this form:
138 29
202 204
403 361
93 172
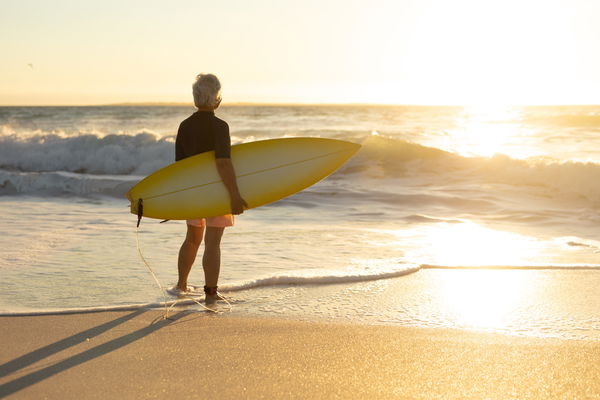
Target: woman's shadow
46 351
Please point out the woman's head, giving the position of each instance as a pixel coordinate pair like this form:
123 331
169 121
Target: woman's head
207 91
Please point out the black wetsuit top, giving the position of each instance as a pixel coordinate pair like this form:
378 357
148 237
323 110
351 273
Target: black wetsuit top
202 132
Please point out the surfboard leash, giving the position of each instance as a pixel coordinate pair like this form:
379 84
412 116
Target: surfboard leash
160 286
137 241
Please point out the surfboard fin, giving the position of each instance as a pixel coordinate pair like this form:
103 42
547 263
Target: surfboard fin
140 212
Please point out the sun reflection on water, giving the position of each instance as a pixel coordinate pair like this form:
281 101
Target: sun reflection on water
489 130
472 297
483 299
468 244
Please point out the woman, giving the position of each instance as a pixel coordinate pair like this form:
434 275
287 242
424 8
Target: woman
202 132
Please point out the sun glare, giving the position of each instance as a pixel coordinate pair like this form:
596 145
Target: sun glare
487 130
471 245
483 299
474 297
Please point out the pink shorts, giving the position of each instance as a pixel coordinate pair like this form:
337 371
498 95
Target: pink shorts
222 221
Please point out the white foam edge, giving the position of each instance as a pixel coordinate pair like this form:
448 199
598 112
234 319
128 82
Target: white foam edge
232 287
289 280
283 280
569 267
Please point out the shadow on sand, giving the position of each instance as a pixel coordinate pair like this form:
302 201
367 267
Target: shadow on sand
77 359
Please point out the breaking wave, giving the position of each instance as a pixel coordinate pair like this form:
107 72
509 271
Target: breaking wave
108 165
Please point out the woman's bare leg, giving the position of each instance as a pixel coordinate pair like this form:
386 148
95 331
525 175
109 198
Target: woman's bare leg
187 254
211 261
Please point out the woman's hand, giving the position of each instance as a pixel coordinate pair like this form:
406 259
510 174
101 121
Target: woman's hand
238 205
225 169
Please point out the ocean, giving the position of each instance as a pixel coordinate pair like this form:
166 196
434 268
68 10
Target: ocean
469 218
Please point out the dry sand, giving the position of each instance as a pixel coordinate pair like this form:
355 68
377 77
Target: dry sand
137 355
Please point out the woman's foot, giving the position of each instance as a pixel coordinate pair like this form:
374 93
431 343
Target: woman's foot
188 291
213 298
212 295
176 291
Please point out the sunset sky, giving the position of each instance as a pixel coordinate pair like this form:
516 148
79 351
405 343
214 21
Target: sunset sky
313 51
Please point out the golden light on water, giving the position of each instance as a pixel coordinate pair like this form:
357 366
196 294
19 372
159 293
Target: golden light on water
486 130
483 299
472 245
481 133
474 297
468 244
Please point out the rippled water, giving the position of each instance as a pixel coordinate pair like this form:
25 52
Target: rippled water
436 186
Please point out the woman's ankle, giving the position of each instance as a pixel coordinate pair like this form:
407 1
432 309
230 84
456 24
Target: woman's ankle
210 290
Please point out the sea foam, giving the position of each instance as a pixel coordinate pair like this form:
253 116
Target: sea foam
100 165
271 281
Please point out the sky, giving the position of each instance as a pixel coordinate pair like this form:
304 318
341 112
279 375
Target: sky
431 52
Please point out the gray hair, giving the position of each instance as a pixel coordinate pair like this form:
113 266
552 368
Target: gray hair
206 90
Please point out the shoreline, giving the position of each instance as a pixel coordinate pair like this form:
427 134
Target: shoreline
137 354
429 299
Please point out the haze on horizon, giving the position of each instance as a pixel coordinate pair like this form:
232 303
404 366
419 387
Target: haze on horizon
429 52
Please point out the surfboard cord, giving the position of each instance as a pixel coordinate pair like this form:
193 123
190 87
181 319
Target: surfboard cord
162 289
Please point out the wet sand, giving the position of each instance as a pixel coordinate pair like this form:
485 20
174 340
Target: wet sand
138 355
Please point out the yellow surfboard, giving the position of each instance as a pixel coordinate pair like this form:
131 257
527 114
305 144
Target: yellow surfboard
266 171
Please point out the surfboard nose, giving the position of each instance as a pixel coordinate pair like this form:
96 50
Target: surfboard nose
350 147
355 146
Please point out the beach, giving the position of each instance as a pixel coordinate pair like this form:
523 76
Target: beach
137 354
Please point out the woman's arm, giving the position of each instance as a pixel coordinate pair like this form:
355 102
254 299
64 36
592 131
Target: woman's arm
227 174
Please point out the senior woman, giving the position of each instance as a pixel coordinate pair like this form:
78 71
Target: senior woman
202 132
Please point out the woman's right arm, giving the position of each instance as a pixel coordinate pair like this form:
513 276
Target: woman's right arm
227 174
